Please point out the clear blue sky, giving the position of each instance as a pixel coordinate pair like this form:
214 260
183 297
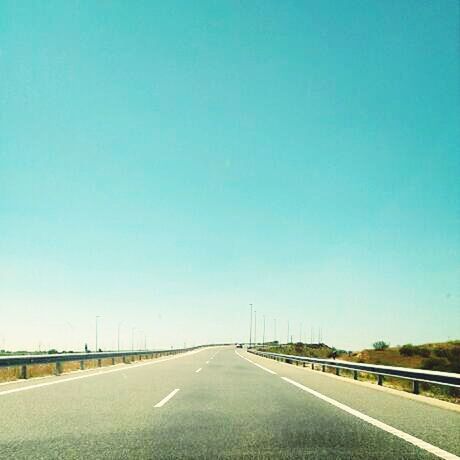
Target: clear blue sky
164 164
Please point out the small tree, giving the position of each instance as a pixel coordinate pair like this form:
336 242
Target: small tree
407 350
380 345
298 347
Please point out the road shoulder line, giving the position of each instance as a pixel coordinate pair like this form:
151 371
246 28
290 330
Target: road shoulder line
377 423
258 365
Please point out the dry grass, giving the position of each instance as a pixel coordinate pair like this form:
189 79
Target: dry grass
393 357
388 357
70 366
91 364
8 374
40 370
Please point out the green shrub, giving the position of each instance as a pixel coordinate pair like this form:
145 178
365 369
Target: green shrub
423 351
453 356
441 352
435 364
298 347
380 345
411 350
407 350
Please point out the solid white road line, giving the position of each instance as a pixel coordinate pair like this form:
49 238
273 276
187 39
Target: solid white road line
198 370
86 376
167 398
258 365
383 426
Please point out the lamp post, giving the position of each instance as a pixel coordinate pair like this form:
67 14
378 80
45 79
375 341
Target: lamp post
255 327
250 328
118 337
97 324
263 334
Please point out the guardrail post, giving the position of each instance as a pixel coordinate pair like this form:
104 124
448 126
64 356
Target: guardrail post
415 387
24 374
323 368
99 363
355 375
58 368
380 380
113 361
303 364
313 366
124 359
337 371
82 365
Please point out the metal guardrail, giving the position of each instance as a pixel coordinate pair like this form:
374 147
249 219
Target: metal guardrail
58 359
415 375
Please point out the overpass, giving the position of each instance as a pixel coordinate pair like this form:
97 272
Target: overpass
219 402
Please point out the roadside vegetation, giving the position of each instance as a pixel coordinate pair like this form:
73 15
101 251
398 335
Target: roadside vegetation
314 350
443 356
25 352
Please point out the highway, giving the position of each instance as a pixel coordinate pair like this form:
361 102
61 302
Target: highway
217 403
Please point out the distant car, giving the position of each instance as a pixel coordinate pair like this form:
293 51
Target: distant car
239 345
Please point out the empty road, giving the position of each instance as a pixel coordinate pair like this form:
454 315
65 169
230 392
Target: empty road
217 403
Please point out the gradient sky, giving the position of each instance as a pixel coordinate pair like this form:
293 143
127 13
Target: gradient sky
164 164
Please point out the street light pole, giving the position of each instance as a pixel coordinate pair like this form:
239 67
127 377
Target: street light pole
288 334
118 337
263 334
255 327
132 338
250 328
97 318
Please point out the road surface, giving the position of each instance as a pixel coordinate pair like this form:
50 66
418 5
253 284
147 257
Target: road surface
217 403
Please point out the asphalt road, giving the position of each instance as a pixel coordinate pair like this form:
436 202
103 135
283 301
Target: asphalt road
231 408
